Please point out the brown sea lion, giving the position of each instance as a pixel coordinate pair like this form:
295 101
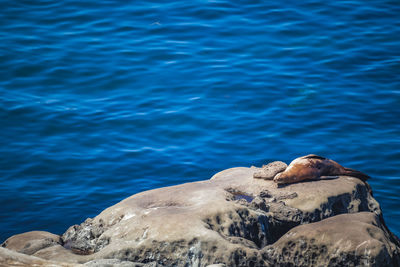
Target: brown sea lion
313 167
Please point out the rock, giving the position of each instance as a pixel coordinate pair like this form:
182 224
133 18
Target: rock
31 242
61 254
231 219
84 239
13 258
357 238
269 171
117 263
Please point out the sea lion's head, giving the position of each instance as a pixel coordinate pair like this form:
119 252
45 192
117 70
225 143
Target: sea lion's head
285 178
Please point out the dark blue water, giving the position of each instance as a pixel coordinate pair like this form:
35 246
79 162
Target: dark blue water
100 100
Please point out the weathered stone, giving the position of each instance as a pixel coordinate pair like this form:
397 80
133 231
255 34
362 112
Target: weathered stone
231 219
356 239
12 258
117 263
61 254
84 239
31 242
269 171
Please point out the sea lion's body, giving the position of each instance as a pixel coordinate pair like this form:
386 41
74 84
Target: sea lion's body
312 167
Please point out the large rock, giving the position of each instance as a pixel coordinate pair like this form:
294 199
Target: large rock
12 258
357 239
31 242
231 219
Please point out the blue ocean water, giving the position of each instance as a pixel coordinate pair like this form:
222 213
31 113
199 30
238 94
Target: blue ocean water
100 100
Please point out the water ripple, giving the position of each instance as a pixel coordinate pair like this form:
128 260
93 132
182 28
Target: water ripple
101 100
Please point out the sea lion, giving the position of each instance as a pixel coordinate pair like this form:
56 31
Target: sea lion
269 171
313 167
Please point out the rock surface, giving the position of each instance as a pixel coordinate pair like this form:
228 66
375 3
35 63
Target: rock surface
9 257
269 171
356 238
230 220
30 242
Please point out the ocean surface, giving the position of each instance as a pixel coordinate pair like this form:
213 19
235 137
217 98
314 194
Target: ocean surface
100 100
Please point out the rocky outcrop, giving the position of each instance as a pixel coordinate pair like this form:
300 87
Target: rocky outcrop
357 239
10 257
269 171
31 242
232 220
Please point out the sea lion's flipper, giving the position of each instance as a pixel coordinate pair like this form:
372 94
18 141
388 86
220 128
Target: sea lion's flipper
355 173
313 156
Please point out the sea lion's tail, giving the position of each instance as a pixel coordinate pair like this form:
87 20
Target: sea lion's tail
355 173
